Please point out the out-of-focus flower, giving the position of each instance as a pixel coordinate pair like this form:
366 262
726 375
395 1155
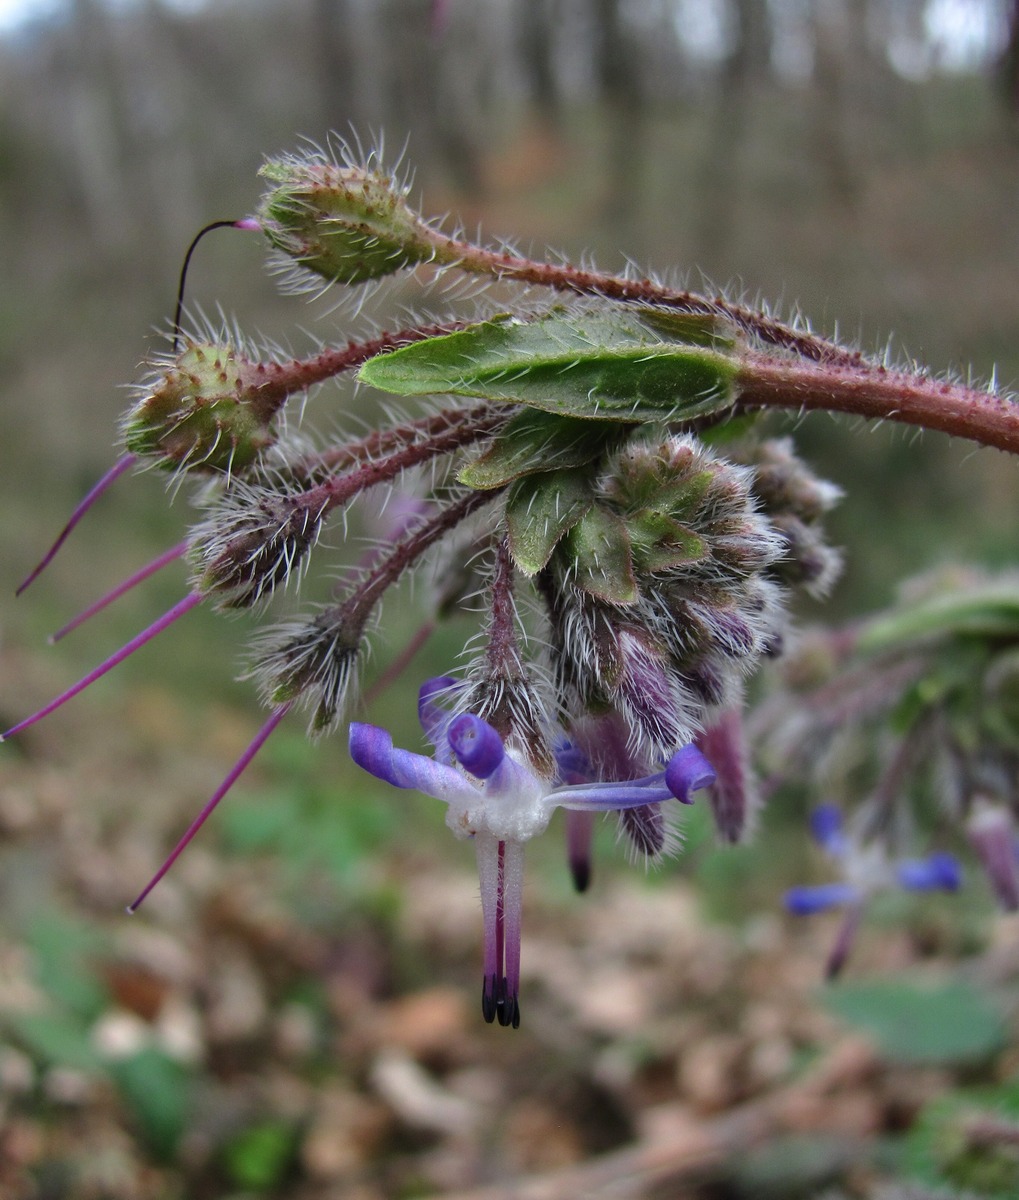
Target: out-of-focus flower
866 870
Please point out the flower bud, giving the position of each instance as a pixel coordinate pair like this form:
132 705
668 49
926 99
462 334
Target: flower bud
255 542
312 661
206 410
991 832
650 694
734 796
347 224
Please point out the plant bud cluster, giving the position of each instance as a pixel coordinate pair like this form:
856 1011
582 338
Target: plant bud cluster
796 500
702 609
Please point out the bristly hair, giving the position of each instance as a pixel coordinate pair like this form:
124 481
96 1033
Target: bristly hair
252 541
312 661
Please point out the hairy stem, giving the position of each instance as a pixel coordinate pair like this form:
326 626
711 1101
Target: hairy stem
454 427
564 277
866 390
405 553
276 382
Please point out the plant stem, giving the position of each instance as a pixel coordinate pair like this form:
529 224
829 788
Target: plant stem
273 383
877 393
564 277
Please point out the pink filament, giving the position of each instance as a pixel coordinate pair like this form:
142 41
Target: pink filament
234 773
132 581
139 640
119 467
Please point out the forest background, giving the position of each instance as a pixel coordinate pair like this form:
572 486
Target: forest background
857 160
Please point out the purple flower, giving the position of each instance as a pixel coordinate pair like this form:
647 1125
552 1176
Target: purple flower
866 870
496 799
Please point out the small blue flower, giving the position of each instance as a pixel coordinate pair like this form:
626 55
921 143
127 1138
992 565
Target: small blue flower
496 799
866 870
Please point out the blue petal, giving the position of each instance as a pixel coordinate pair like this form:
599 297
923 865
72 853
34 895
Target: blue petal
688 771
611 797
826 829
572 763
372 749
476 745
940 870
804 901
433 717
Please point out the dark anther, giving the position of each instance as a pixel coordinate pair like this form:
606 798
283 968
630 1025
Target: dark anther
581 873
489 997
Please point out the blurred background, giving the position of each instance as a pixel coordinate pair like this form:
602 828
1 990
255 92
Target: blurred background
295 1013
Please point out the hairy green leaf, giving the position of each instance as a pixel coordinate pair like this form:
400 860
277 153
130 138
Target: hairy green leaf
990 611
540 511
950 1022
538 441
624 365
597 550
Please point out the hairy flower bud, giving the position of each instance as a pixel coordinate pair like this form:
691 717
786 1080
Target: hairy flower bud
211 408
796 499
347 224
313 661
254 541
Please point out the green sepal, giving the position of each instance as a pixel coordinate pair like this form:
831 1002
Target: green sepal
660 484
200 414
606 365
346 224
599 557
538 441
661 543
540 510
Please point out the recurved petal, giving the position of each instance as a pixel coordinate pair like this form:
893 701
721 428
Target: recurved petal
372 749
688 771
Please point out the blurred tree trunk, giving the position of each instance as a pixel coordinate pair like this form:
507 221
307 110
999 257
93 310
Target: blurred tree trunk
840 69
616 62
436 87
86 82
1009 68
740 79
537 49
333 33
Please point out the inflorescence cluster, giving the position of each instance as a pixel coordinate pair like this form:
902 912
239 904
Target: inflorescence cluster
583 461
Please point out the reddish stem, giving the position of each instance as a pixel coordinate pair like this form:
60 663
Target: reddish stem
876 393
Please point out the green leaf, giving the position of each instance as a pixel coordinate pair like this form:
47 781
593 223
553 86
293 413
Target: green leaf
538 441
65 950
540 511
990 612
940 1151
661 543
947 1023
258 1158
59 1039
157 1091
610 365
597 552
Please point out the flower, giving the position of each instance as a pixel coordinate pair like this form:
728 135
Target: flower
866 870
497 800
